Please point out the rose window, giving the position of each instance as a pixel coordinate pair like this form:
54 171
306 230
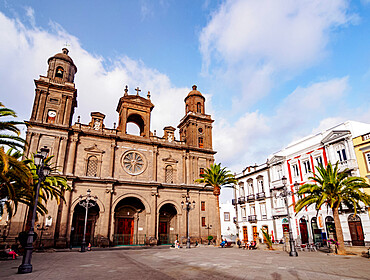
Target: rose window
133 163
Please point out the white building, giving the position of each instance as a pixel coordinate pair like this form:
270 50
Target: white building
228 228
297 163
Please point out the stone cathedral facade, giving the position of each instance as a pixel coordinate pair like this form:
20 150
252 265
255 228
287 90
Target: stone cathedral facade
140 180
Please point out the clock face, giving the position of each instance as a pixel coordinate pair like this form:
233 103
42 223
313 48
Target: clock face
52 114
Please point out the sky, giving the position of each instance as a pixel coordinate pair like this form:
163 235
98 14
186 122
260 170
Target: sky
272 71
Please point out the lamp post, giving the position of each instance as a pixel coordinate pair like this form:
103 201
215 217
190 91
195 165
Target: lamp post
87 201
208 227
42 228
187 205
42 172
284 194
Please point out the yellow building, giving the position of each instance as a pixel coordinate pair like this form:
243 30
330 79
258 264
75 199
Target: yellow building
362 150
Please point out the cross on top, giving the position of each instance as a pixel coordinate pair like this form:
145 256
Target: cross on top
137 90
66 44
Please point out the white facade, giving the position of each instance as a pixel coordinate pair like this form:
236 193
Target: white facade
254 203
228 228
297 163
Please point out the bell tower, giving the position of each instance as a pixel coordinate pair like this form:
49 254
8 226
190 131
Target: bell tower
55 96
134 109
196 126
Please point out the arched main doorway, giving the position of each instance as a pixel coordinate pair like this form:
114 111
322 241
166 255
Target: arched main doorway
167 227
316 232
78 223
304 230
355 228
330 228
129 222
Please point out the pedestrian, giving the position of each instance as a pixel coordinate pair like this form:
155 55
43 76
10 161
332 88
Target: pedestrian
89 247
239 243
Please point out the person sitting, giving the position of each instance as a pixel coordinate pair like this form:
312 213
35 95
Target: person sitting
223 243
253 245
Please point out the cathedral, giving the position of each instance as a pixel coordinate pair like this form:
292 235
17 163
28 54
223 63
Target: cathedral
140 181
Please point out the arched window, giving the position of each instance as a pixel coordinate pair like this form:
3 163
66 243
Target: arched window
169 174
59 72
341 152
92 166
199 107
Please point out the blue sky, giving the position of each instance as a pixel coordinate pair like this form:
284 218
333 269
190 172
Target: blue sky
272 71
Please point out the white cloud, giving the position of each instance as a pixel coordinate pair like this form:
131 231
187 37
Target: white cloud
245 40
254 135
23 57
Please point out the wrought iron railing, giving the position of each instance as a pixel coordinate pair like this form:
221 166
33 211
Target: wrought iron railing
252 218
250 198
129 239
260 196
167 238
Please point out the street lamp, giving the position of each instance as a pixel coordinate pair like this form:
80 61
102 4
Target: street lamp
284 194
87 201
208 227
187 205
42 172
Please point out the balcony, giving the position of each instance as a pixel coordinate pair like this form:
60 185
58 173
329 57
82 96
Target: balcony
241 200
252 218
350 164
244 219
250 198
279 212
233 202
264 217
260 196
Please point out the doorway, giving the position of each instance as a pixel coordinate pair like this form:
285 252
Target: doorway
355 228
167 226
125 230
317 237
304 230
245 234
78 223
255 233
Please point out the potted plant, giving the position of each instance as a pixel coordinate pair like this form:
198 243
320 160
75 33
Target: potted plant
209 239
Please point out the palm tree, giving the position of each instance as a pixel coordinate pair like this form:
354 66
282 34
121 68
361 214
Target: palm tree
15 180
53 187
334 190
217 177
8 138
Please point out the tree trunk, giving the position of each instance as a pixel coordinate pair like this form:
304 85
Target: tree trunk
339 232
219 221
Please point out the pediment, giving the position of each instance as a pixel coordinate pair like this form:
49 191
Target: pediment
170 160
94 149
276 159
335 135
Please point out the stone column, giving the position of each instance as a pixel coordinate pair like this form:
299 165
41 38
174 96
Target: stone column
67 111
112 158
62 153
41 107
35 105
72 154
35 139
155 163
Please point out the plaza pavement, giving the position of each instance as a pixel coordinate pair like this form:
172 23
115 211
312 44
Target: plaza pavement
195 263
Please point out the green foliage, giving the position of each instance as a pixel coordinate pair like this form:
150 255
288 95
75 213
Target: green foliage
15 180
9 132
333 189
53 187
267 237
216 177
210 237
